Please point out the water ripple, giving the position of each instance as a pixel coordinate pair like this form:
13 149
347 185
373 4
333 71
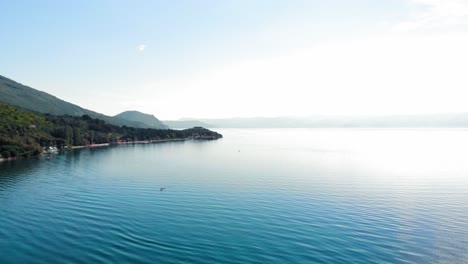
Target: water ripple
305 201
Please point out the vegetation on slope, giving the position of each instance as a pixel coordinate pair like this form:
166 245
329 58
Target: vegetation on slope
22 133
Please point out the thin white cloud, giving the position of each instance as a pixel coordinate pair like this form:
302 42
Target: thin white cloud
141 47
430 15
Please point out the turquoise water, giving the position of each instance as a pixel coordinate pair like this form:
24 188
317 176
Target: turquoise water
255 196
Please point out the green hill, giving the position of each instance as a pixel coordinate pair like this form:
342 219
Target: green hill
25 97
147 119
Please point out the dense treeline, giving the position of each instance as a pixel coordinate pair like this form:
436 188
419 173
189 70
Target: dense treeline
24 134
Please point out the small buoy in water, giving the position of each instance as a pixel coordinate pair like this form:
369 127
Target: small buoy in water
162 189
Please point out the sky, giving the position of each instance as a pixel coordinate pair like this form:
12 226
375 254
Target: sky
241 58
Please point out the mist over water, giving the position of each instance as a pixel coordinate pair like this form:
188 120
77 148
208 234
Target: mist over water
255 196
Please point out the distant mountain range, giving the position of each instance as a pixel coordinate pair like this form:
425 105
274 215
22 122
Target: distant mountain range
177 124
454 120
16 94
147 119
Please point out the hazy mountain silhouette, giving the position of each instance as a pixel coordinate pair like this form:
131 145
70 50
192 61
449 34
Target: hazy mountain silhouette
410 121
181 123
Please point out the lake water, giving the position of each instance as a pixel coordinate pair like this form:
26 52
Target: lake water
255 196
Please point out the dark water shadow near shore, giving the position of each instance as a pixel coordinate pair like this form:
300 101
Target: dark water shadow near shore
14 171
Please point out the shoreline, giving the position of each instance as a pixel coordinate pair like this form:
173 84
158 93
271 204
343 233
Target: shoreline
91 146
152 141
131 142
8 159
115 144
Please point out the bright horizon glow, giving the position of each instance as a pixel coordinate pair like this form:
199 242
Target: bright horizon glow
282 59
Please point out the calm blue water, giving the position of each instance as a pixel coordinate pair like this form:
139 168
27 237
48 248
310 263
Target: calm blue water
255 196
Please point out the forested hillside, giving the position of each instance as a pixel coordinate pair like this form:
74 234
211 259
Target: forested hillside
24 133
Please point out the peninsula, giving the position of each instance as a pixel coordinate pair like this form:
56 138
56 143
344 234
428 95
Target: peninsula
32 122
26 134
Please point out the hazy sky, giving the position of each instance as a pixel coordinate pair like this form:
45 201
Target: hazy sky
241 58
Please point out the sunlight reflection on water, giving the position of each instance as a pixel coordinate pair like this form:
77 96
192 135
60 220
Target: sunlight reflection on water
255 196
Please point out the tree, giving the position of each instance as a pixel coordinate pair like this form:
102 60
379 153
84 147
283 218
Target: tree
6 154
69 137
77 138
